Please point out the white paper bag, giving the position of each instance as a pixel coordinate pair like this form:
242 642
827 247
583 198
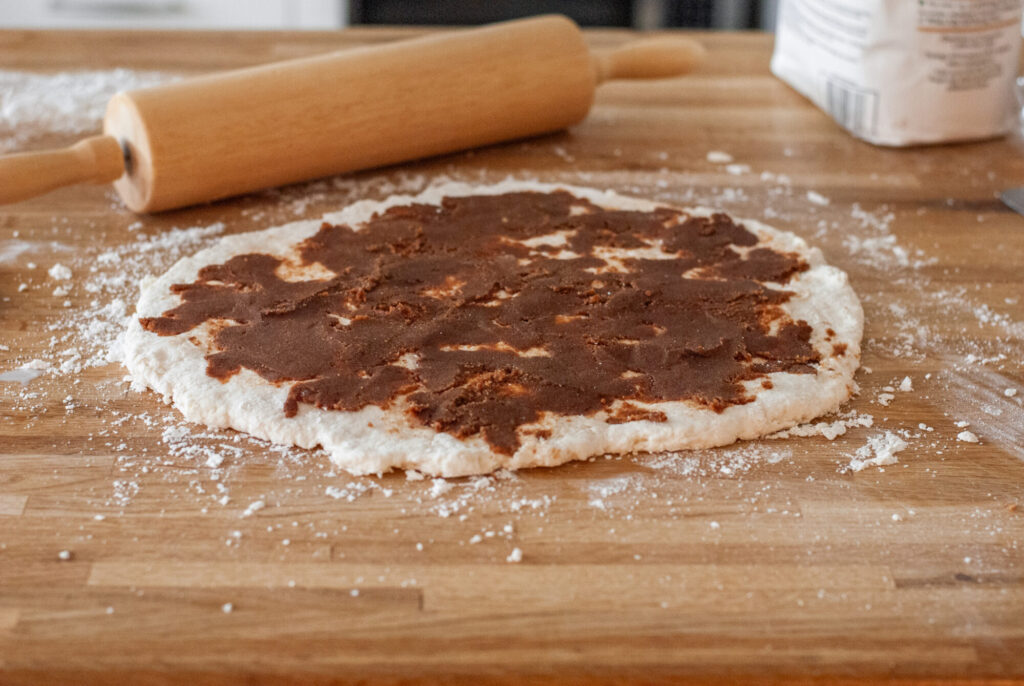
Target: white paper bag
904 72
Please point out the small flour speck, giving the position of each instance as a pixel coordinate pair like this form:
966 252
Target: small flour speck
254 507
818 198
59 272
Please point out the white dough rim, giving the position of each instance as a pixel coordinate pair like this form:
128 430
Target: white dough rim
373 440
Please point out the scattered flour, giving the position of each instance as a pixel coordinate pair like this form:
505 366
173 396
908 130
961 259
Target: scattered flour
439 487
254 507
968 437
59 272
818 198
729 461
26 372
879 451
68 103
350 491
202 447
89 336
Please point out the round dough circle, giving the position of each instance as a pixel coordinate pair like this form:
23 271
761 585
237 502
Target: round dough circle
375 440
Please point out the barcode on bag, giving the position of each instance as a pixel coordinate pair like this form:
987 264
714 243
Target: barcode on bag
855 109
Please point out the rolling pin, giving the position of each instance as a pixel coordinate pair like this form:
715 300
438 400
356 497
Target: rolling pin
233 132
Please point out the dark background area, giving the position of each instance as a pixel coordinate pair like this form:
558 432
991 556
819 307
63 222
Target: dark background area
732 14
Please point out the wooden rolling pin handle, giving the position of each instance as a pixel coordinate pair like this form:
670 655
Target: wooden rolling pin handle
98 159
649 58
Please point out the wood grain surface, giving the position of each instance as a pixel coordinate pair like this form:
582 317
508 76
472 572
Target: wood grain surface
767 562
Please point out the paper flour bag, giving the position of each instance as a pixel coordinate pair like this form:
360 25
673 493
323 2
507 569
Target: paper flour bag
904 72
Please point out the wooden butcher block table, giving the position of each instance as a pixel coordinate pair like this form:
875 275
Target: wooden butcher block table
137 548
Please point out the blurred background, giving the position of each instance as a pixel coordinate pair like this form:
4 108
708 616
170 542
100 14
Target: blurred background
334 14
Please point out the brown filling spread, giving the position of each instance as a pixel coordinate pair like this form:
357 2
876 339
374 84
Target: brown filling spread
486 312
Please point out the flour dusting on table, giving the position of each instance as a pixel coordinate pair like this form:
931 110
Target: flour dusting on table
65 103
78 377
